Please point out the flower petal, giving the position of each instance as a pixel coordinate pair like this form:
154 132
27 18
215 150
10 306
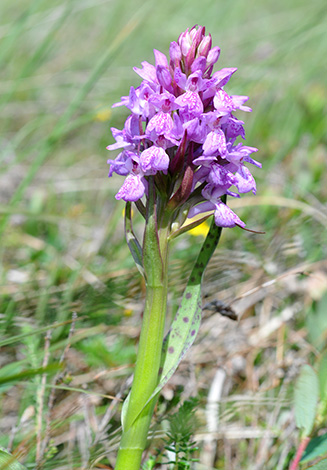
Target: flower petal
215 143
245 181
154 159
147 72
225 217
192 102
132 190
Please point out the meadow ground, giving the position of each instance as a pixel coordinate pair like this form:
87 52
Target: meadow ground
71 299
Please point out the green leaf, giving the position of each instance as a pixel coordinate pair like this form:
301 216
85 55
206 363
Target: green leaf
51 368
124 410
186 323
317 323
322 465
20 337
305 399
317 447
9 462
322 374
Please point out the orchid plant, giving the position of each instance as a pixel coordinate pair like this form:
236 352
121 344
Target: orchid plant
180 157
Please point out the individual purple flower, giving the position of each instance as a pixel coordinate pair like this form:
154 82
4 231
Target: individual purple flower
122 165
159 127
190 104
154 159
133 188
244 180
147 72
182 127
215 143
224 216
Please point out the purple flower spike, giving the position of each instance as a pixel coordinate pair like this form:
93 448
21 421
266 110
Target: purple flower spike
182 128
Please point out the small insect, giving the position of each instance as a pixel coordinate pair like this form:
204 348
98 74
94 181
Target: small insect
218 306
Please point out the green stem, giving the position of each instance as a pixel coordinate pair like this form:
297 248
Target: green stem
138 416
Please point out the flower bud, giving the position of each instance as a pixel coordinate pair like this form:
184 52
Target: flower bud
205 46
213 56
175 54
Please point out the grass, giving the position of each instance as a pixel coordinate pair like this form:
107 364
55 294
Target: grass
62 249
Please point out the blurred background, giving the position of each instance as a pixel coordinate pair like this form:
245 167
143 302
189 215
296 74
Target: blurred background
70 297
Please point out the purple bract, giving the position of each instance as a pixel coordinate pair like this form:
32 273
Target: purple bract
182 123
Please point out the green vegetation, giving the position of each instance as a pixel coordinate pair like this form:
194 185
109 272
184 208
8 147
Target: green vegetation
71 299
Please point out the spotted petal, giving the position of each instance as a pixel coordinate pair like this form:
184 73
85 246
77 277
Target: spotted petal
132 190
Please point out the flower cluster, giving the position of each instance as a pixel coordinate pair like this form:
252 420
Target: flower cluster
182 125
